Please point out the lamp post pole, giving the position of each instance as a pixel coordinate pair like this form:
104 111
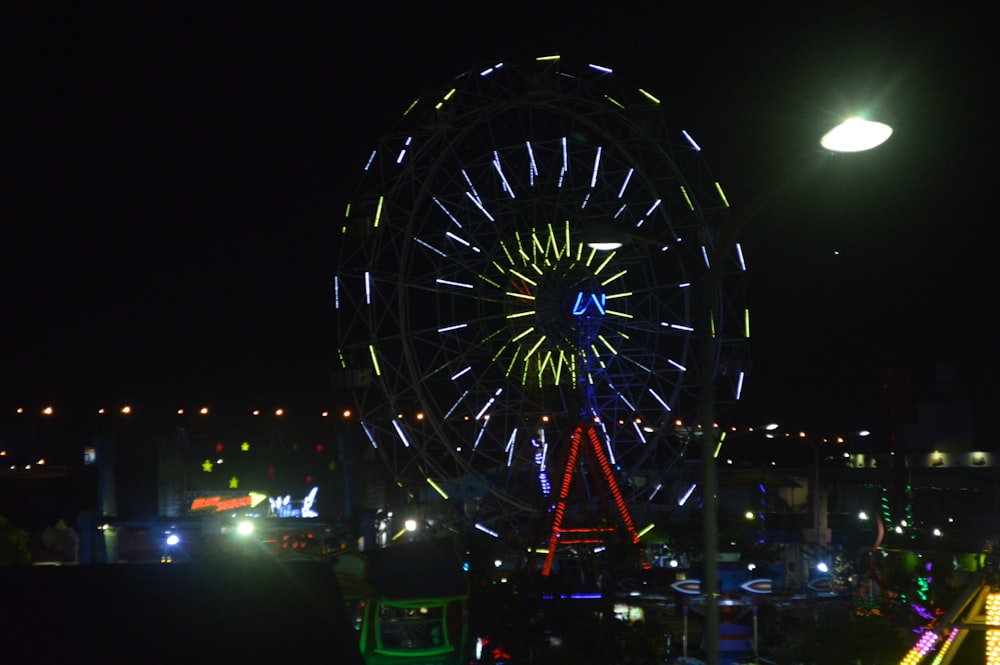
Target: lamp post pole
853 135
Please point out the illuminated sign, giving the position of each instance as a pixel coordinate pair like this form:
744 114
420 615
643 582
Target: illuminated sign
283 506
219 503
586 302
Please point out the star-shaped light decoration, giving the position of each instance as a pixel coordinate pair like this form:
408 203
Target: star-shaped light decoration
234 483
206 466
245 446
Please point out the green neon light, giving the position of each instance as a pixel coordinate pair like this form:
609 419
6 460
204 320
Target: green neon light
518 315
623 294
547 58
746 323
510 366
614 101
524 296
645 531
507 252
497 354
378 370
347 210
378 211
488 281
411 106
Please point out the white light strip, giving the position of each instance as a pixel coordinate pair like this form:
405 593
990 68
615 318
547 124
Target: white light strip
371 158
656 204
676 326
458 401
659 399
399 431
446 211
628 176
739 385
475 194
739 256
677 365
486 530
638 430
597 164
336 292
433 249
456 238
503 178
368 433
687 495
479 204
457 326
450 283
489 403
532 166
604 70
368 288
691 140
464 371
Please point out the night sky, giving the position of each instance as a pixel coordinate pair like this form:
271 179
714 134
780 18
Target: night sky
175 176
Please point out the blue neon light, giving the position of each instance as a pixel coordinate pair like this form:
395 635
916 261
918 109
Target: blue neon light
584 301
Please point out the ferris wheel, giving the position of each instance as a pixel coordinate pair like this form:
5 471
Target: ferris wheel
522 255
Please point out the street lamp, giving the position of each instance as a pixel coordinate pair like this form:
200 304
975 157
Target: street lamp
853 135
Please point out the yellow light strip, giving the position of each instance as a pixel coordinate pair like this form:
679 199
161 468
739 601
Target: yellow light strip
687 198
722 194
378 212
523 333
616 313
437 488
648 96
604 263
613 278
378 370
527 279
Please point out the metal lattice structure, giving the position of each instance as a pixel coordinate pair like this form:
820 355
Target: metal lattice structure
466 272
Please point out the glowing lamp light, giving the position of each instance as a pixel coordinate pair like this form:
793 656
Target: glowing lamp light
410 525
173 539
856 135
244 528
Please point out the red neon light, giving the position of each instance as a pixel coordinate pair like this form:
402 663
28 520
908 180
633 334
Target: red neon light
560 508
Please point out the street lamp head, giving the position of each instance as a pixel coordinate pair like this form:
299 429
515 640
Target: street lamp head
856 135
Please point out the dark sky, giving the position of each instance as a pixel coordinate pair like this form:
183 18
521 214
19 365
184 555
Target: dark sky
174 177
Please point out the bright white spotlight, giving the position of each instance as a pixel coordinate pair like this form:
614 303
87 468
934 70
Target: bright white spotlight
244 528
173 539
410 525
856 135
